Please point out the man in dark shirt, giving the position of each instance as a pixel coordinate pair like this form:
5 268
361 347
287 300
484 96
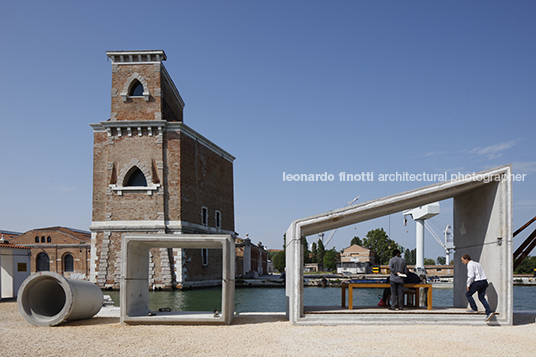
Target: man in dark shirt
398 268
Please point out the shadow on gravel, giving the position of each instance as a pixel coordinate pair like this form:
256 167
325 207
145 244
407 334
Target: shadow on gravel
252 318
92 322
524 317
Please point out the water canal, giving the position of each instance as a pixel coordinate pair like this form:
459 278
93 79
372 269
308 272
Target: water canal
272 299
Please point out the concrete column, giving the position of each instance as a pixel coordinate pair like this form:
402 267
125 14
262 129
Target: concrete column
482 229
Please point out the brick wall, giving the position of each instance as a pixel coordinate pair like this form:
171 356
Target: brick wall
197 271
206 180
100 183
184 172
135 108
63 241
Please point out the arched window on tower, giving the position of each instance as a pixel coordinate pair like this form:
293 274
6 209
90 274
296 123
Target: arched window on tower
68 262
136 90
42 262
136 178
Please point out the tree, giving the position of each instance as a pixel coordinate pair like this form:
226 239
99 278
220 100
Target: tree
314 252
407 256
428 261
441 260
410 256
306 252
320 252
378 241
356 240
271 254
330 259
280 261
527 266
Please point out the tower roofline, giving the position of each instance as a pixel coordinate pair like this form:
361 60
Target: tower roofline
139 56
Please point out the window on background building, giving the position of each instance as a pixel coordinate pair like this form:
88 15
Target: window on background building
22 267
68 262
204 216
42 239
137 178
37 239
136 90
49 240
42 261
218 219
204 256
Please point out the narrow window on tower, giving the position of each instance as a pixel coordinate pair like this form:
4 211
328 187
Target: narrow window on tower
204 256
218 219
204 216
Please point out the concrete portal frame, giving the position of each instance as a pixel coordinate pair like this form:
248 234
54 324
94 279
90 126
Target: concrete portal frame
482 204
134 295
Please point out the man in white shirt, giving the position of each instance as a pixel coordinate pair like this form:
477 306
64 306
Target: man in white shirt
476 281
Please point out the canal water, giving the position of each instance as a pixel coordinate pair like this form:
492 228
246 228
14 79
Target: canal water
273 299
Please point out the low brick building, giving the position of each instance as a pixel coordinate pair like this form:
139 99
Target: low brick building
250 258
61 250
356 259
8 235
357 253
154 174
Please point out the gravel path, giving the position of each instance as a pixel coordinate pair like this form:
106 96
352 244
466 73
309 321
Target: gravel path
260 335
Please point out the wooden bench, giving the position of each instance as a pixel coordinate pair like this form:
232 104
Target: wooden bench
352 286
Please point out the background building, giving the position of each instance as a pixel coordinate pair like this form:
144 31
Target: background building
251 259
356 260
154 174
14 266
61 250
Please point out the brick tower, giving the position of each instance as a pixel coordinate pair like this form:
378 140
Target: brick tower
153 174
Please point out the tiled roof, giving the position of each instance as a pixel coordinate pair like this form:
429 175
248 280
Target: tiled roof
77 234
9 232
7 245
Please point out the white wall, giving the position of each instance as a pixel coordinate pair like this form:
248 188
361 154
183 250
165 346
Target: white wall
10 277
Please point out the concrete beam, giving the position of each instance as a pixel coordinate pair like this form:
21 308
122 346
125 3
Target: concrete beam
482 225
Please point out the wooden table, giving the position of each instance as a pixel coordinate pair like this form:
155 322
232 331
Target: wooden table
351 287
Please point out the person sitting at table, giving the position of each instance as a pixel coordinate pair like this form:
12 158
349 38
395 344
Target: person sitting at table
411 278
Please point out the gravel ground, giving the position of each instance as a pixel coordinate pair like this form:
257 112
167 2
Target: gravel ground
260 335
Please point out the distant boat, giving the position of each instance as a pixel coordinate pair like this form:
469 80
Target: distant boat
442 283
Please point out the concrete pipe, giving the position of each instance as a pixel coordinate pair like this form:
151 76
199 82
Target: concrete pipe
48 299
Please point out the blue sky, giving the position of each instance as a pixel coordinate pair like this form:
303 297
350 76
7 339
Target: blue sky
301 87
